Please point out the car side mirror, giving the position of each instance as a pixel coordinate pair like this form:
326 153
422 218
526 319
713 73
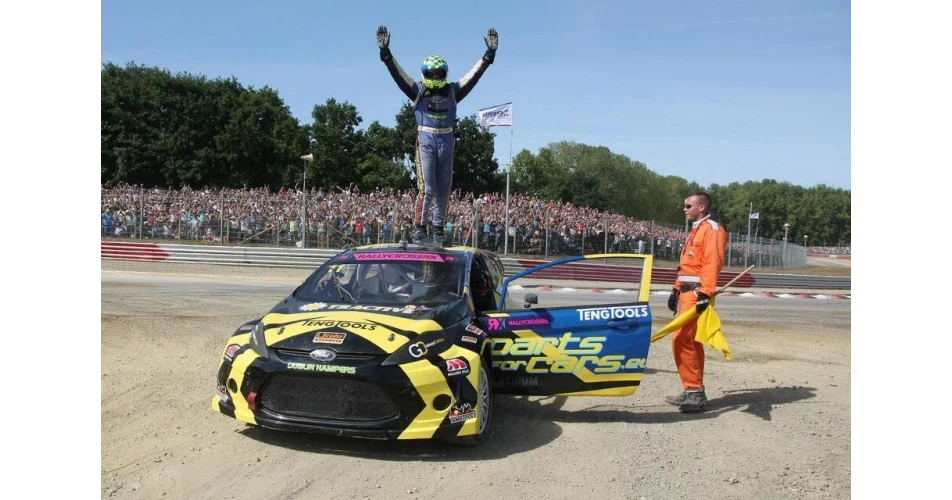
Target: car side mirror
530 299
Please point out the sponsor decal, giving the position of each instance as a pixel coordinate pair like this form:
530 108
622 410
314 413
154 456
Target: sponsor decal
603 313
456 366
419 348
322 355
330 323
412 309
311 367
230 351
475 329
222 393
329 337
420 256
520 322
354 307
462 412
517 381
255 331
467 338
565 354
514 323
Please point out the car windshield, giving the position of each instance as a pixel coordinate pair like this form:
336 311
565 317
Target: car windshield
387 278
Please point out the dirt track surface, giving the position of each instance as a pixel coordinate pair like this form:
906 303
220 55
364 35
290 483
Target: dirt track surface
778 424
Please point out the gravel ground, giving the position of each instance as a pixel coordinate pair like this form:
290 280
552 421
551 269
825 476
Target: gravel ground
778 425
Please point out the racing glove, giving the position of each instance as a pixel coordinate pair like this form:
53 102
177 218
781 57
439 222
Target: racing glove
673 300
492 43
702 302
383 41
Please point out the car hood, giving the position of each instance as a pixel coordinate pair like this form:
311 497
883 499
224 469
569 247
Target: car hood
347 328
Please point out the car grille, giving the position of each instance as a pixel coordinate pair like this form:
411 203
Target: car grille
342 357
326 398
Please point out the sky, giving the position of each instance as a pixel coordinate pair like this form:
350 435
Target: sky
714 92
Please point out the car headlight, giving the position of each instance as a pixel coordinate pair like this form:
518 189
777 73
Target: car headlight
257 340
425 346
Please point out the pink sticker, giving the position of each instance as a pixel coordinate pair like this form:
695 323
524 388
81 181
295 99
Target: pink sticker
230 352
429 257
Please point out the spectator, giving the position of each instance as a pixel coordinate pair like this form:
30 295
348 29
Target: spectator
249 210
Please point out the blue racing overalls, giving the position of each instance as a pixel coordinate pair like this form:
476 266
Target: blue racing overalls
435 113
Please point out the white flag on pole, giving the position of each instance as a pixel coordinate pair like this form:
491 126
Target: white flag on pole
496 116
755 215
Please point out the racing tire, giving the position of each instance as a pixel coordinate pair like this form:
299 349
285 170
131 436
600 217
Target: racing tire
484 410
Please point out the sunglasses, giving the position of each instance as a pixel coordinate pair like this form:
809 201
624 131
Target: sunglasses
686 206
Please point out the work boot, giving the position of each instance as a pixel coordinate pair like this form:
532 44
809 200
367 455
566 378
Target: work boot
676 400
694 401
419 235
438 238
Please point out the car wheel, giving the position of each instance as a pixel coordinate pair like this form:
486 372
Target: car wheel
484 409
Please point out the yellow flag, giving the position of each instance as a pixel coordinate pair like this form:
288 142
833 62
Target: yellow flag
675 324
708 329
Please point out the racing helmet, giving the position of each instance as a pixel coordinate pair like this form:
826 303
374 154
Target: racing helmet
434 69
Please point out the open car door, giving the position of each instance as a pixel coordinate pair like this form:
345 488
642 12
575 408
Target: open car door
578 326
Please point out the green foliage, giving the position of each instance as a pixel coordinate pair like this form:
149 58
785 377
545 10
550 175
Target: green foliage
338 139
473 164
160 129
382 160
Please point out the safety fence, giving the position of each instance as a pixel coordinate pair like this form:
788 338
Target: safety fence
312 258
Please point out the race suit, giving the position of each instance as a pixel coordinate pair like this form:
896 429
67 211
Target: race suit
435 113
702 259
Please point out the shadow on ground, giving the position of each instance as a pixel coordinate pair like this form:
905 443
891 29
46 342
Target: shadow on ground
757 402
523 423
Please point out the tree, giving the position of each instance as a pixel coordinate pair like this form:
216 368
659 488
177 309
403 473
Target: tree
335 153
165 130
474 168
134 116
381 160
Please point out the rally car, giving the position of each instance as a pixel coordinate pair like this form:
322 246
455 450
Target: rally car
412 342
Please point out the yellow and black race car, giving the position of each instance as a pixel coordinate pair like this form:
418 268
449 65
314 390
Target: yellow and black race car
411 342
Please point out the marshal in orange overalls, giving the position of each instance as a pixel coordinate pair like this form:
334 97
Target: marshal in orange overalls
701 262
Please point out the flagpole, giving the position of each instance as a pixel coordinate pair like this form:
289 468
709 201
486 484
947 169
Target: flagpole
505 231
493 113
749 213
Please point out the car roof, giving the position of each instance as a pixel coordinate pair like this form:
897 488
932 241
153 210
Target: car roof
462 251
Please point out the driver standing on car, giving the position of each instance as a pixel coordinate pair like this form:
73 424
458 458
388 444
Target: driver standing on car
702 259
434 102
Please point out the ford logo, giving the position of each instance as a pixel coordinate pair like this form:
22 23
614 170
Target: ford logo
323 355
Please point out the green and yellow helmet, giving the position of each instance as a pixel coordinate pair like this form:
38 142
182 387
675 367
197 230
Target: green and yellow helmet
434 70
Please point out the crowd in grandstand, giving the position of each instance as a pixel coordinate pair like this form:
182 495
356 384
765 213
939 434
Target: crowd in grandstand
345 215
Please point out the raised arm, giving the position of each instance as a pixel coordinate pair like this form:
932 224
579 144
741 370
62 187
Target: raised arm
468 81
404 82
